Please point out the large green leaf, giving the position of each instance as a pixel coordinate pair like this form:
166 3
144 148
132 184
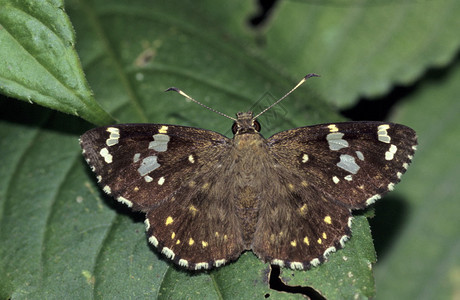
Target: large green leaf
423 260
61 237
363 47
38 59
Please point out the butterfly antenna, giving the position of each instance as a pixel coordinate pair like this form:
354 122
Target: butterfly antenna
287 94
197 102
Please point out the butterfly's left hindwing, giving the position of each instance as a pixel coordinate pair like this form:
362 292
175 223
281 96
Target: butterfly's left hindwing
323 172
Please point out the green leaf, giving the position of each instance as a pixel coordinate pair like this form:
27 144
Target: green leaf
62 237
39 62
423 261
363 47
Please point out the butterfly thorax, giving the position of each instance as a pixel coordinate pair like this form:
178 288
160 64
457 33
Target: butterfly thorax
249 157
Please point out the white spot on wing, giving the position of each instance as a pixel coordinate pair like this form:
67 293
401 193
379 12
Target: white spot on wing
315 262
125 201
383 133
391 186
161 180
106 155
148 164
114 136
329 251
147 224
219 262
111 142
278 262
168 252
115 131
191 159
335 141
348 163
183 263
201 265
372 199
136 157
391 152
159 143
335 179
147 178
107 189
360 155
296 265
305 158
153 240
343 240
350 221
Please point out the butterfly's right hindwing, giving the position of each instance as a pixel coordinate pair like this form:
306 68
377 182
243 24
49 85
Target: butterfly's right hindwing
167 172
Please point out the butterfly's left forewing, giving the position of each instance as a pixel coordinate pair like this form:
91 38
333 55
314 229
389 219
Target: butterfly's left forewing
354 162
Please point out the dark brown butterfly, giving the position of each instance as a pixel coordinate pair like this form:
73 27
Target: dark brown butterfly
288 198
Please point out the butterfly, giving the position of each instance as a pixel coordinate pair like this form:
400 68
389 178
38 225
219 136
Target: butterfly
288 198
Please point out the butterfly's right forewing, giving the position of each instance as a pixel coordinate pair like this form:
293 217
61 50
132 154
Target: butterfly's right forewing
139 162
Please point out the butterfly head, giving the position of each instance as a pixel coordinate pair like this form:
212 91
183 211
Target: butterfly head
245 123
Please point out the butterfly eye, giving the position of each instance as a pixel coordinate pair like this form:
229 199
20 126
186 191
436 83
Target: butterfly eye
256 125
234 128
